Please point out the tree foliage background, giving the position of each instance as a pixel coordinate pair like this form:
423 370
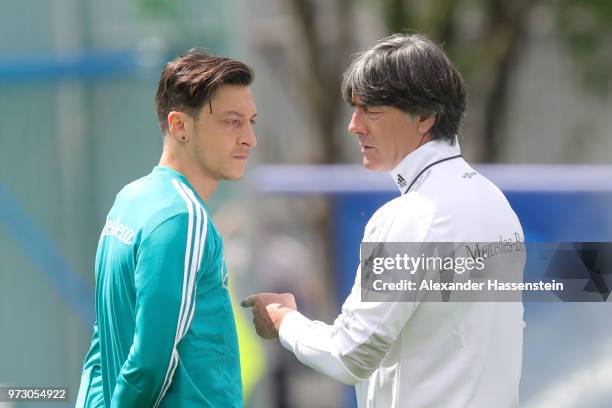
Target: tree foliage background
484 38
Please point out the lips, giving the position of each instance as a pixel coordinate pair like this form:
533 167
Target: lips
241 155
364 145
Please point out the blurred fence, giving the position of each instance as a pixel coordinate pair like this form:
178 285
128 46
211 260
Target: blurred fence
78 117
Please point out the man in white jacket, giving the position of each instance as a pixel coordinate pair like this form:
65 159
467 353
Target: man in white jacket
409 105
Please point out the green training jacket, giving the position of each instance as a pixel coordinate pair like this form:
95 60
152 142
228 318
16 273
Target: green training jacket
164 334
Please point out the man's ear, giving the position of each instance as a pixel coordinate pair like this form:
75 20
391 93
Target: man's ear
180 126
425 123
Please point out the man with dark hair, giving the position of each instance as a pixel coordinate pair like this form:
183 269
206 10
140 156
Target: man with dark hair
409 105
164 334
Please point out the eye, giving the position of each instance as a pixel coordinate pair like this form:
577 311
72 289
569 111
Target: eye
232 122
253 121
372 113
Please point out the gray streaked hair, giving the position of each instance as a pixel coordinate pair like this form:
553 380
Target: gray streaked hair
412 73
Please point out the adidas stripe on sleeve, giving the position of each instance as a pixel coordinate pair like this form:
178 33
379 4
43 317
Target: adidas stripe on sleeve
167 263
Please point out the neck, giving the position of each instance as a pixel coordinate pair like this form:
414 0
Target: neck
204 184
423 140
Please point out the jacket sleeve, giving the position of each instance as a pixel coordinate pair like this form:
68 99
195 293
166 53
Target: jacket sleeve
361 336
353 347
91 393
167 262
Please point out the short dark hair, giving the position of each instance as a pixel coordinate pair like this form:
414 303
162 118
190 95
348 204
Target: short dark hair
413 74
190 80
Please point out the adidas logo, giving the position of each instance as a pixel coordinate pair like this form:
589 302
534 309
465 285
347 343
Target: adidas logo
469 174
401 181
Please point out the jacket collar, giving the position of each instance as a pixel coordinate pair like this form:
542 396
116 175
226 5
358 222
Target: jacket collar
415 163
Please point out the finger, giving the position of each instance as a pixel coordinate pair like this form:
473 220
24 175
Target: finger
248 301
259 330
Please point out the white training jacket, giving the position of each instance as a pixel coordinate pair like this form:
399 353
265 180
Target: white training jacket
427 354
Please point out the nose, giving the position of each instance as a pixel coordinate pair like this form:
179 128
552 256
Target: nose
249 139
356 126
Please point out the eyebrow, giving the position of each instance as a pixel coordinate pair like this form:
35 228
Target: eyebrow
368 107
235 113
362 105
